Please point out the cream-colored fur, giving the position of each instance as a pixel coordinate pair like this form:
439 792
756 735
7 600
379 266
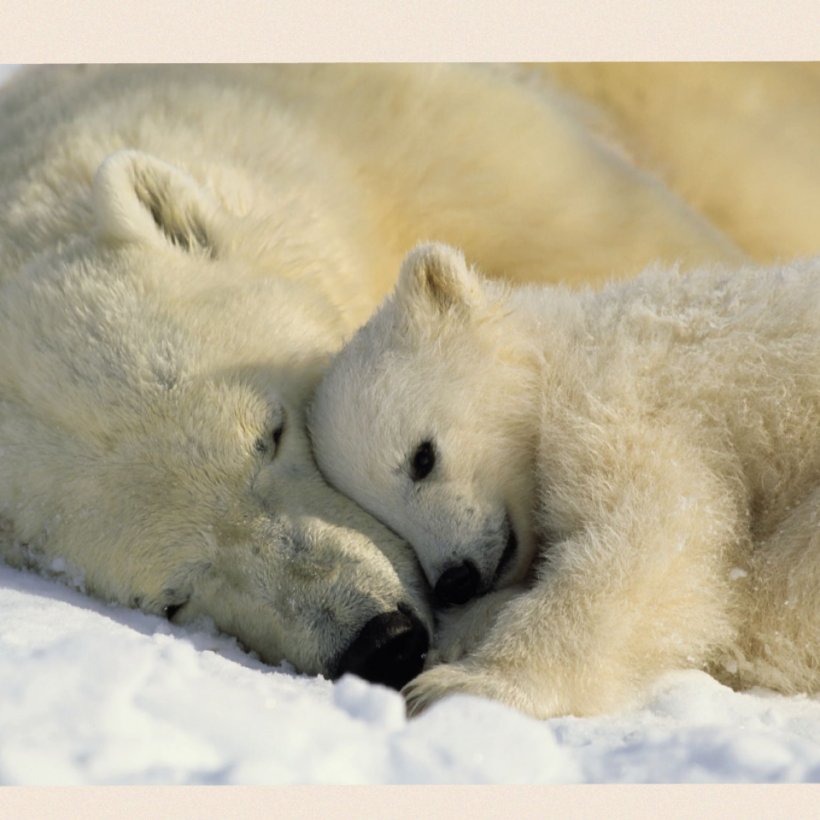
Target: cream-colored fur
182 249
655 447
737 141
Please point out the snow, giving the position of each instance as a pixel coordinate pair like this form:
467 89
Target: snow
92 693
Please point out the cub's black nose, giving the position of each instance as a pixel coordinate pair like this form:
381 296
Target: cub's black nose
389 649
457 584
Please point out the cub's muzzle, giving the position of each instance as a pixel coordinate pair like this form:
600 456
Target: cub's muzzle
457 585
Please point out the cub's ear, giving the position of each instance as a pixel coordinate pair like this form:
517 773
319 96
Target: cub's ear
437 275
141 199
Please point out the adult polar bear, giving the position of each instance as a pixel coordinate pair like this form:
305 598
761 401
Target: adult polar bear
182 248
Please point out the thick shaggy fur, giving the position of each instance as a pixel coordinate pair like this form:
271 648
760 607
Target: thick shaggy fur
655 447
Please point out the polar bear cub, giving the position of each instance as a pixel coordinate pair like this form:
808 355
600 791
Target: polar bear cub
612 484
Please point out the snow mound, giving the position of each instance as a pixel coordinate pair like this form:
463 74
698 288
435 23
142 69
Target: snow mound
98 694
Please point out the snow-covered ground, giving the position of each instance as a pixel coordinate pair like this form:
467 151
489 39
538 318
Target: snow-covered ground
97 694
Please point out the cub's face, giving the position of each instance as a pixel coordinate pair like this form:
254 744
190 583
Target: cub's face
417 420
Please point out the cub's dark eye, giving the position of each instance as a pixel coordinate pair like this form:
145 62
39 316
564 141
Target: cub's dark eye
423 461
171 610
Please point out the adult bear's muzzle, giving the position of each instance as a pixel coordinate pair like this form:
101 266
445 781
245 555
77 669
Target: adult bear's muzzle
389 649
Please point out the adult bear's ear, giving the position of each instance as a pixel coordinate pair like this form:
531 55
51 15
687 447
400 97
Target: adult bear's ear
437 275
138 198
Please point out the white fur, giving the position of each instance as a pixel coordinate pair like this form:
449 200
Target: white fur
655 444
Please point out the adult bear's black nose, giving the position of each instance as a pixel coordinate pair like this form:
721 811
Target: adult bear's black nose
457 584
389 649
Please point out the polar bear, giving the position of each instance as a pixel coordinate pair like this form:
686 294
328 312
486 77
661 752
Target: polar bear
182 248
613 483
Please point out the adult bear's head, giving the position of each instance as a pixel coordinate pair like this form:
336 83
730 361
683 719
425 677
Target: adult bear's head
153 381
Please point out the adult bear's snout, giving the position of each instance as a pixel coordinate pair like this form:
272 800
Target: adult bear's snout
389 649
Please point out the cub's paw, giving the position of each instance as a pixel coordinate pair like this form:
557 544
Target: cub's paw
462 629
461 679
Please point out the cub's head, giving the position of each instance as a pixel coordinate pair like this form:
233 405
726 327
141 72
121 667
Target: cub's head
423 420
